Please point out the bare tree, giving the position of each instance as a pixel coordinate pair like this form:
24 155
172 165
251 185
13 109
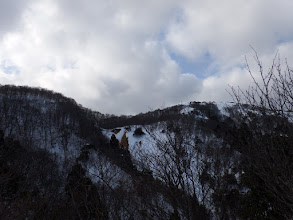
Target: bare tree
273 93
266 138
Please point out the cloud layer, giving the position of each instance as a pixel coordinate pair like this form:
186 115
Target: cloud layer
122 57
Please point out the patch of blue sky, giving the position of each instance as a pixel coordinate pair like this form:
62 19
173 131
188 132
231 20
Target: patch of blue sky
8 68
285 40
201 67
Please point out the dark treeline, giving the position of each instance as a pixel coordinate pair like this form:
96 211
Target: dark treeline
112 121
159 115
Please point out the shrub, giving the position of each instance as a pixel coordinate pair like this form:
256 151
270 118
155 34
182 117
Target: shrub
138 132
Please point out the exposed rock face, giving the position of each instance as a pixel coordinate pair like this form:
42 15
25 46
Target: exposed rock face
124 141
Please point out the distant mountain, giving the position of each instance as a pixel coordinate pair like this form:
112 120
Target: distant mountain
198 161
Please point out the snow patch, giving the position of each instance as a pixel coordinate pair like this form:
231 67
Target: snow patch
186 110
222 106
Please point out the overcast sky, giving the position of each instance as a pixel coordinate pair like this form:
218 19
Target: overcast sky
131 56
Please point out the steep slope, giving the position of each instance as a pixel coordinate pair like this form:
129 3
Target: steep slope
173 149
48 120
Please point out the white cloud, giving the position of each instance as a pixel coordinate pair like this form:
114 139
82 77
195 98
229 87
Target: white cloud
226 29
115 56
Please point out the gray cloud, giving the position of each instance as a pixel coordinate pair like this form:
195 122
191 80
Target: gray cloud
11 14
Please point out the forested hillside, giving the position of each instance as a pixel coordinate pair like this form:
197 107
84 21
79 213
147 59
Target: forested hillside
59 160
